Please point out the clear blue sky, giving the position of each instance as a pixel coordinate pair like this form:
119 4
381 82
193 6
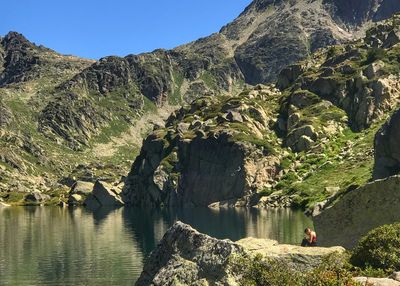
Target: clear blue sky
97 28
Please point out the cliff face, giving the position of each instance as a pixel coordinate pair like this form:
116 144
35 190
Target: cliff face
210 151
387 149
379 201
247 149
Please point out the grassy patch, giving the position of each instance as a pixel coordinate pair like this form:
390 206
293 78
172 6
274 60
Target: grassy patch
176 97
331 168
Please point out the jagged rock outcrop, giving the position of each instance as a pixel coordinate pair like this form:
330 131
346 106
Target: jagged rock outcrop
72 119
151 73
387 148
384 35
211 151
343 85
103 195
185 256
249 48
359 211
19 58
22 60
79 192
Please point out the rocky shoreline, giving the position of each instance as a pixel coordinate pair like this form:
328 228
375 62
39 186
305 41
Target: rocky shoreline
185 256
188 257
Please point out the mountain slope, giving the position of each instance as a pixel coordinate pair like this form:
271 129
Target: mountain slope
265 38
266 147
65 119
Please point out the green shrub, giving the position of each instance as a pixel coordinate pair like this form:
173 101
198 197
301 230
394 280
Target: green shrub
374 55
380 248
369 271
259 271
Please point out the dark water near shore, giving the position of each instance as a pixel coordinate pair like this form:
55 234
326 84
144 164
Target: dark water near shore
56 246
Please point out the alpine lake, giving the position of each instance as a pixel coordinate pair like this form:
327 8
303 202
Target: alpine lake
74 246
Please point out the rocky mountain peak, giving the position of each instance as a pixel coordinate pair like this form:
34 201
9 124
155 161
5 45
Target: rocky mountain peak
15 40
357 12
260 5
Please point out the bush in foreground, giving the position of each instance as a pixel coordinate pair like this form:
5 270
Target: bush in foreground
379 249
260 271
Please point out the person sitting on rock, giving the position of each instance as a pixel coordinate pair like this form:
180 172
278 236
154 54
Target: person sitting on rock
310 238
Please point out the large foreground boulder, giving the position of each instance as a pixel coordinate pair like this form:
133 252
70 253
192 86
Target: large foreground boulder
358 212
187 257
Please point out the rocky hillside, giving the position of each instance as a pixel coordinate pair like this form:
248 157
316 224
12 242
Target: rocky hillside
294 146
248 50
51 136
379 198
65 119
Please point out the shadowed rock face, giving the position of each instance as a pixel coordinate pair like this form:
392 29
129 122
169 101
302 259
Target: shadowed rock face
18 58
355 12
70 118
212 171
387 149
358 212
150 72
210 151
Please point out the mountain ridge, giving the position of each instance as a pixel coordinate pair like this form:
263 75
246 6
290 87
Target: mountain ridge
59 111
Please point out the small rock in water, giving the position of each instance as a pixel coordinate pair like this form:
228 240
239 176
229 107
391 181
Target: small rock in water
103 195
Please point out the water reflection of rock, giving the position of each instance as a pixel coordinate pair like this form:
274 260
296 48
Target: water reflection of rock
66 247
148 226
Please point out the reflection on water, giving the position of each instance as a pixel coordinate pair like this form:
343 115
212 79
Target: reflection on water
59 246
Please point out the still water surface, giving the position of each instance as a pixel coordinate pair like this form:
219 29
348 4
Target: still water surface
60 246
